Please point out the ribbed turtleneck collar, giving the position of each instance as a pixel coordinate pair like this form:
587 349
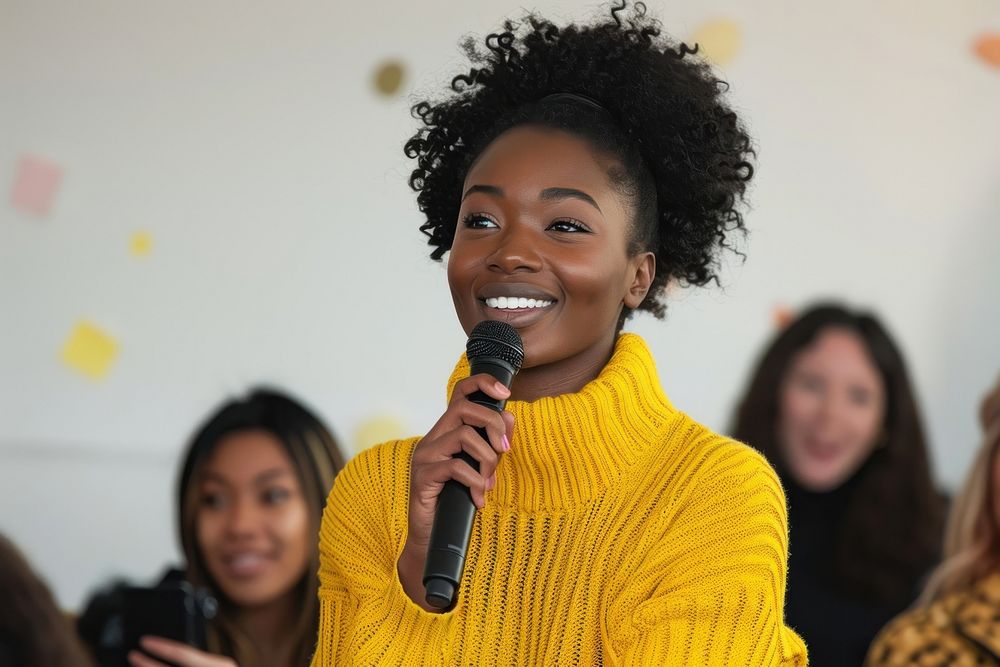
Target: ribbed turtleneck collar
568 448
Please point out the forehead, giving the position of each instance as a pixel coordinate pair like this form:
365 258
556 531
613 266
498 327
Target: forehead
840 351
533 158
241 456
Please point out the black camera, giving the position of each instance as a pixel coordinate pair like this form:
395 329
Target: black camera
173 610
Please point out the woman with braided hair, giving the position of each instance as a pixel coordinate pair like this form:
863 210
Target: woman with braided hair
569 176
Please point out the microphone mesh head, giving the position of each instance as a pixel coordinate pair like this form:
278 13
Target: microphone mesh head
494 339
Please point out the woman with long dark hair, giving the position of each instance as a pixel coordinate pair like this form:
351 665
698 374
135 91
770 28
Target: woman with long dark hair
831 406
250 497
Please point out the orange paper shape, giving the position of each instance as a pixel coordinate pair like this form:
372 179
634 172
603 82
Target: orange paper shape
782 316
35 185
987 47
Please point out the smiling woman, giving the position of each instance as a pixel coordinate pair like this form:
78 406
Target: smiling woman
250 496
831 405
565 247
568 176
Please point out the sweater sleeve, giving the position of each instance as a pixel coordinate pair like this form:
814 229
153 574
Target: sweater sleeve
365 616
712 591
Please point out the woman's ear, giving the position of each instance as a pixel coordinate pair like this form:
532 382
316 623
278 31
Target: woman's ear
642 270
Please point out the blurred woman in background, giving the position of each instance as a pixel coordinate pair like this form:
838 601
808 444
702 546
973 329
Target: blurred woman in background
32 629
250 497
831 406
955 622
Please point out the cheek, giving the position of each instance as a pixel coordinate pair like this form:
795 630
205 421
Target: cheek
208 538
460 276
292 527
207 529
866 422
590 281
462 263
797 408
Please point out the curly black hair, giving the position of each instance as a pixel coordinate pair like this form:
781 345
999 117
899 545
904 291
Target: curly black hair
683 156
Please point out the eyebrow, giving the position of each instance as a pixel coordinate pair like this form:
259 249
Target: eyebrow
259 479
569 193
546 194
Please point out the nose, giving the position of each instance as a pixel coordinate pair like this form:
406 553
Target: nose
831 410
516 250
242 518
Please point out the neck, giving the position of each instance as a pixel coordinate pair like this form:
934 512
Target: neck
572 446
566 376
270 629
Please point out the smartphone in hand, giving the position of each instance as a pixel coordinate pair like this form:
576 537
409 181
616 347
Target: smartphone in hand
174 611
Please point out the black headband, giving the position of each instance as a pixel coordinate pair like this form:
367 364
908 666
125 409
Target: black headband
576 98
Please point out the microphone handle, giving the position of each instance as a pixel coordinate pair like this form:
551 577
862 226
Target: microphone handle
452 527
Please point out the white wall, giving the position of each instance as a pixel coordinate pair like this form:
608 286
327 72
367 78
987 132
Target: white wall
247 141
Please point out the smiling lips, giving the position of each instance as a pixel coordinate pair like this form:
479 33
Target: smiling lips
518 297
821 451
245 565
516 303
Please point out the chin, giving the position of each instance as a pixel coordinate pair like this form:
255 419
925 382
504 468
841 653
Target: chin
821 482
257 597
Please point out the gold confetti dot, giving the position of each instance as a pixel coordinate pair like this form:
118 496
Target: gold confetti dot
89 350
718 40
389 77
141 244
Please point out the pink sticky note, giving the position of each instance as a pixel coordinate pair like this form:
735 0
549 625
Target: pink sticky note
35 185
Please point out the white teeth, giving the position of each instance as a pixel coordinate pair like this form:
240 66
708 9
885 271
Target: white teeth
245 563
513 302
246 558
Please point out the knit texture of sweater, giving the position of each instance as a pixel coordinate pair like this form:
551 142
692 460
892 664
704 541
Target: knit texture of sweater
620 532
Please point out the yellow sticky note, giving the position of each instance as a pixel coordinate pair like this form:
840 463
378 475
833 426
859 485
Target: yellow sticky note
141 244
380 428
89 350
718 40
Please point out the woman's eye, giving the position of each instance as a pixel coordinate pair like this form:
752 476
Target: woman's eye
860 397
274 496
479 221
809 383
212 500
568 226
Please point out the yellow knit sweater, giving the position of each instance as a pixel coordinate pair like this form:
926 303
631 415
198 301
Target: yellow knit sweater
620 532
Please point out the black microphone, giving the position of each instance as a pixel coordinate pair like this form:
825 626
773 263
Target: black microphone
494 348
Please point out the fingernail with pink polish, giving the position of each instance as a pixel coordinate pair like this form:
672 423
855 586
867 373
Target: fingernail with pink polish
506 443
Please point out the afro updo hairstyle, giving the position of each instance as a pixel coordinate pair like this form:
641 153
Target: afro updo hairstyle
683 157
